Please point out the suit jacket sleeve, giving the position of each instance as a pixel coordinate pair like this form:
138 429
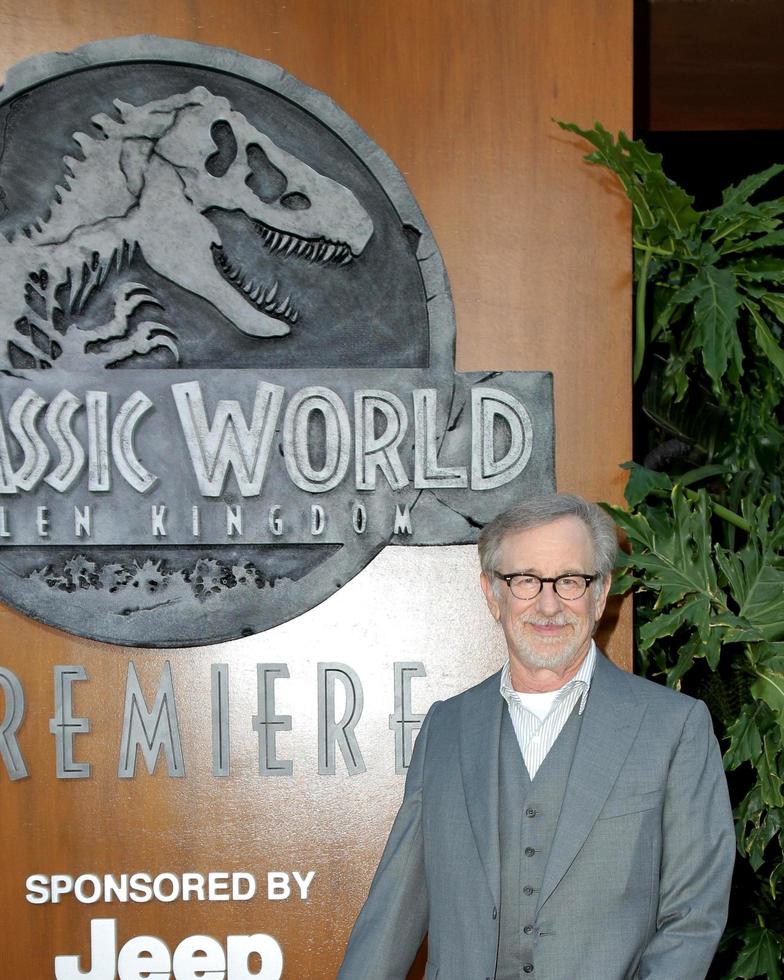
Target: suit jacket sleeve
393 921
697 858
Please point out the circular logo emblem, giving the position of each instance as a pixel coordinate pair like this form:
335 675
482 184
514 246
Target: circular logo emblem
226 344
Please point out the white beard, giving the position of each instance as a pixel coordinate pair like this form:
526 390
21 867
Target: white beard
566 649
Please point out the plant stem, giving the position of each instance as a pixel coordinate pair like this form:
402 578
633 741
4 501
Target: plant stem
643 247
639 315
723 512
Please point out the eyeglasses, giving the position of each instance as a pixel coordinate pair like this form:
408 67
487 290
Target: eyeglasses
525 586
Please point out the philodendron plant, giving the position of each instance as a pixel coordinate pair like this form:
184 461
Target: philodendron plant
704 518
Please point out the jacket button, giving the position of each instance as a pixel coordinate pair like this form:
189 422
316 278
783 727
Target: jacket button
530 812
528 968
495 912
529 852
528 890
528 930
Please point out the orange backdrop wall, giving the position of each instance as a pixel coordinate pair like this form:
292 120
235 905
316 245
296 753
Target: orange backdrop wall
461 94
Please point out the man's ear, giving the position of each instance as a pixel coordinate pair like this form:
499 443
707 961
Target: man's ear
490 596
601 598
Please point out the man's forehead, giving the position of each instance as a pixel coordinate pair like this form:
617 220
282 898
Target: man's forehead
565 541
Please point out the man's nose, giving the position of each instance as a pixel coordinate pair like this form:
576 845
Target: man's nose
547 601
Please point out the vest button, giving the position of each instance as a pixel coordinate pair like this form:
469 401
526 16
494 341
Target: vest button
529 852
528 968
528 890
530 812
528 930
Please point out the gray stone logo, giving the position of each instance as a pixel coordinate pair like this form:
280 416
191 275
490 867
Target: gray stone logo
226 352
149 181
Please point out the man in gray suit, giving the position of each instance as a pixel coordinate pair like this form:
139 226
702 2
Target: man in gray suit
563 819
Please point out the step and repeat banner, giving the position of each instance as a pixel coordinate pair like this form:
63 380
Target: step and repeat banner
241 482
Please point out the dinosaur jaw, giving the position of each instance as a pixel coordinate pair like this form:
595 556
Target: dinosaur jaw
266 298
319 250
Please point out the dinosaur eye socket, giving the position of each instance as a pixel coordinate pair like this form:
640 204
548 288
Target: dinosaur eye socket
223 137
295 201
264 179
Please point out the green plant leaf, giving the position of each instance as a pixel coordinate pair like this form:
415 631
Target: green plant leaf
776 877
760 957
662 211
757 585
716 314
701 473
773 239
768 771
765 339
643 482
775 304
745 738
769 687
766 268
760 837
694 612
673 550
741 192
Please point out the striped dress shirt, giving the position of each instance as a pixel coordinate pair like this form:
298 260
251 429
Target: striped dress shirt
536 737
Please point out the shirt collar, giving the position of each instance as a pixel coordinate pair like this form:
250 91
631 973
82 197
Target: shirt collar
581 680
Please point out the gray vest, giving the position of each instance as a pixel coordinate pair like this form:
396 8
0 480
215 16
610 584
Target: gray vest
528 814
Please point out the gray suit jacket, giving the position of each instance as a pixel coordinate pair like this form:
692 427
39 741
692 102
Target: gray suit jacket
637 882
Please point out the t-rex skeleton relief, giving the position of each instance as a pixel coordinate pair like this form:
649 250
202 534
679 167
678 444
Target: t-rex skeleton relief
150 182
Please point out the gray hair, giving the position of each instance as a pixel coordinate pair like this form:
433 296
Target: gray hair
538 511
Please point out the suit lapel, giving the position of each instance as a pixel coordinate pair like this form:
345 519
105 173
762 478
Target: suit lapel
480 731
610 723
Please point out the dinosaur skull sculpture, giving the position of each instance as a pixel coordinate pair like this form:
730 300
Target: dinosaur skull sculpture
219 160
185 156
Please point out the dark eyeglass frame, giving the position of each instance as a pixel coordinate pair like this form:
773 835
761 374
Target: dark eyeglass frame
553 581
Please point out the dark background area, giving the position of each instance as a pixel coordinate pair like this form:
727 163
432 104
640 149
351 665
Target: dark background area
708 89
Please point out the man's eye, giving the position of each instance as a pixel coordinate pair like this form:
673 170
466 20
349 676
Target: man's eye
569 581
525 580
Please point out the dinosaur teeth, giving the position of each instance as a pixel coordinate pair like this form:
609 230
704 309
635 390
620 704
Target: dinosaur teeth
258 291
329 251
271 293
